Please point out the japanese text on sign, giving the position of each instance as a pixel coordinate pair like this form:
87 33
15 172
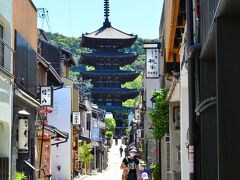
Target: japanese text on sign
46 95
152 63
76 118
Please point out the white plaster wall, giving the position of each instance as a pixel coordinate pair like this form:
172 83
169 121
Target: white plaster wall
5 98
6 88
184 117
60 118
174 141
150 85
184 133
6 22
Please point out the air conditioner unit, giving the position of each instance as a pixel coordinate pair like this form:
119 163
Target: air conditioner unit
173 175
23 135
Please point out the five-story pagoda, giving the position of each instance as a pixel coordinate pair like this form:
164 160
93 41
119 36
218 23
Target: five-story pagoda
107 56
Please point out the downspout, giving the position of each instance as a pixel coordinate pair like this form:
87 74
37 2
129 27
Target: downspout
191 89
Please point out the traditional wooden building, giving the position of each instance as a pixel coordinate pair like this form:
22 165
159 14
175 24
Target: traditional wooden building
107 56
172 27
213 41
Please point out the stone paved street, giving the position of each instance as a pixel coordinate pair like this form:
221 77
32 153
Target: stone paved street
113 172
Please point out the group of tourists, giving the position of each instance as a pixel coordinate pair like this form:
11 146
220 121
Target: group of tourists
132 170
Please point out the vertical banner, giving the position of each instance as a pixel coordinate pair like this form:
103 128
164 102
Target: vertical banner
46 95
95 130
152 60
76 120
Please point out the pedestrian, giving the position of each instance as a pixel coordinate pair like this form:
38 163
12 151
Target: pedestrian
126 151
116 140
121 150
130 166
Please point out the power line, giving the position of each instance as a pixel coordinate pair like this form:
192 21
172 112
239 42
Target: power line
43 14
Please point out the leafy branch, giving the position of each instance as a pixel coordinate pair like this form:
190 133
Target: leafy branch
160 114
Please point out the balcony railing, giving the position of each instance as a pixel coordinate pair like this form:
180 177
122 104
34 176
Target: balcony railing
207 12
6 56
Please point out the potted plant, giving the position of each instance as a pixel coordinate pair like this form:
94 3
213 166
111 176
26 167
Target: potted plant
20 176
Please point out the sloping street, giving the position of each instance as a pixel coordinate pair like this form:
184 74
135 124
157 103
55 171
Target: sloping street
113 171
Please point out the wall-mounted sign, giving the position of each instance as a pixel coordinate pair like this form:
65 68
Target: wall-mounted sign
46 95
152 60
76 118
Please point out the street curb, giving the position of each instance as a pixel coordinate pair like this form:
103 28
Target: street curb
82 177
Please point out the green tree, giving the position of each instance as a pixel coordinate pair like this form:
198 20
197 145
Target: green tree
110 124
84 154
160 114
109 134
136 84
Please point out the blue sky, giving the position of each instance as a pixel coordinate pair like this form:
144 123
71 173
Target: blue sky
74 17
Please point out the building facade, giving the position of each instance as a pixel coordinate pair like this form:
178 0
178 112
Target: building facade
6 87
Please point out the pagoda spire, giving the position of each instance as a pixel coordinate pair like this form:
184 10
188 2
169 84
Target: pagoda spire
106 23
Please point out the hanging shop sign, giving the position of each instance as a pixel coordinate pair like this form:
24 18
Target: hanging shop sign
76 118
152 60
95 130
46 96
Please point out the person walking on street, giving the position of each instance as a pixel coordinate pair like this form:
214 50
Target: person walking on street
116 140
130 166
121 150
126 151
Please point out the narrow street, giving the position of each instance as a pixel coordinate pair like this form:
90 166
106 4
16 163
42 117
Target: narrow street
113 171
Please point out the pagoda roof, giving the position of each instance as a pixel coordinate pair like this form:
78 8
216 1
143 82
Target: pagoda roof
122 93
123 75
109 37
96 57
115 108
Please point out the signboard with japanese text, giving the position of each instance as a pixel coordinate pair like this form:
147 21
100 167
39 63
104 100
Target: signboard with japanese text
76 118
46 95
152 63
95 130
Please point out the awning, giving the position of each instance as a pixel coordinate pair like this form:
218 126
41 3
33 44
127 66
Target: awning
83 107
98 113
48 66
84 139
25 97
57 136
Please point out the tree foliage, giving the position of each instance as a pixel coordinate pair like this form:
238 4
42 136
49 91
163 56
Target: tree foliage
157 172
84 153
136 84
20 176
110 124
160 114
109 134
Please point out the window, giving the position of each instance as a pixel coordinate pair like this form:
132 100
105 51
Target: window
1 47
176 117
89 117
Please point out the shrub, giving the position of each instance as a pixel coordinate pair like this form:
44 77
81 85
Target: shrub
20 176
157 172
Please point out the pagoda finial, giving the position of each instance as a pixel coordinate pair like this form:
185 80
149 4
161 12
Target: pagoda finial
106 14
